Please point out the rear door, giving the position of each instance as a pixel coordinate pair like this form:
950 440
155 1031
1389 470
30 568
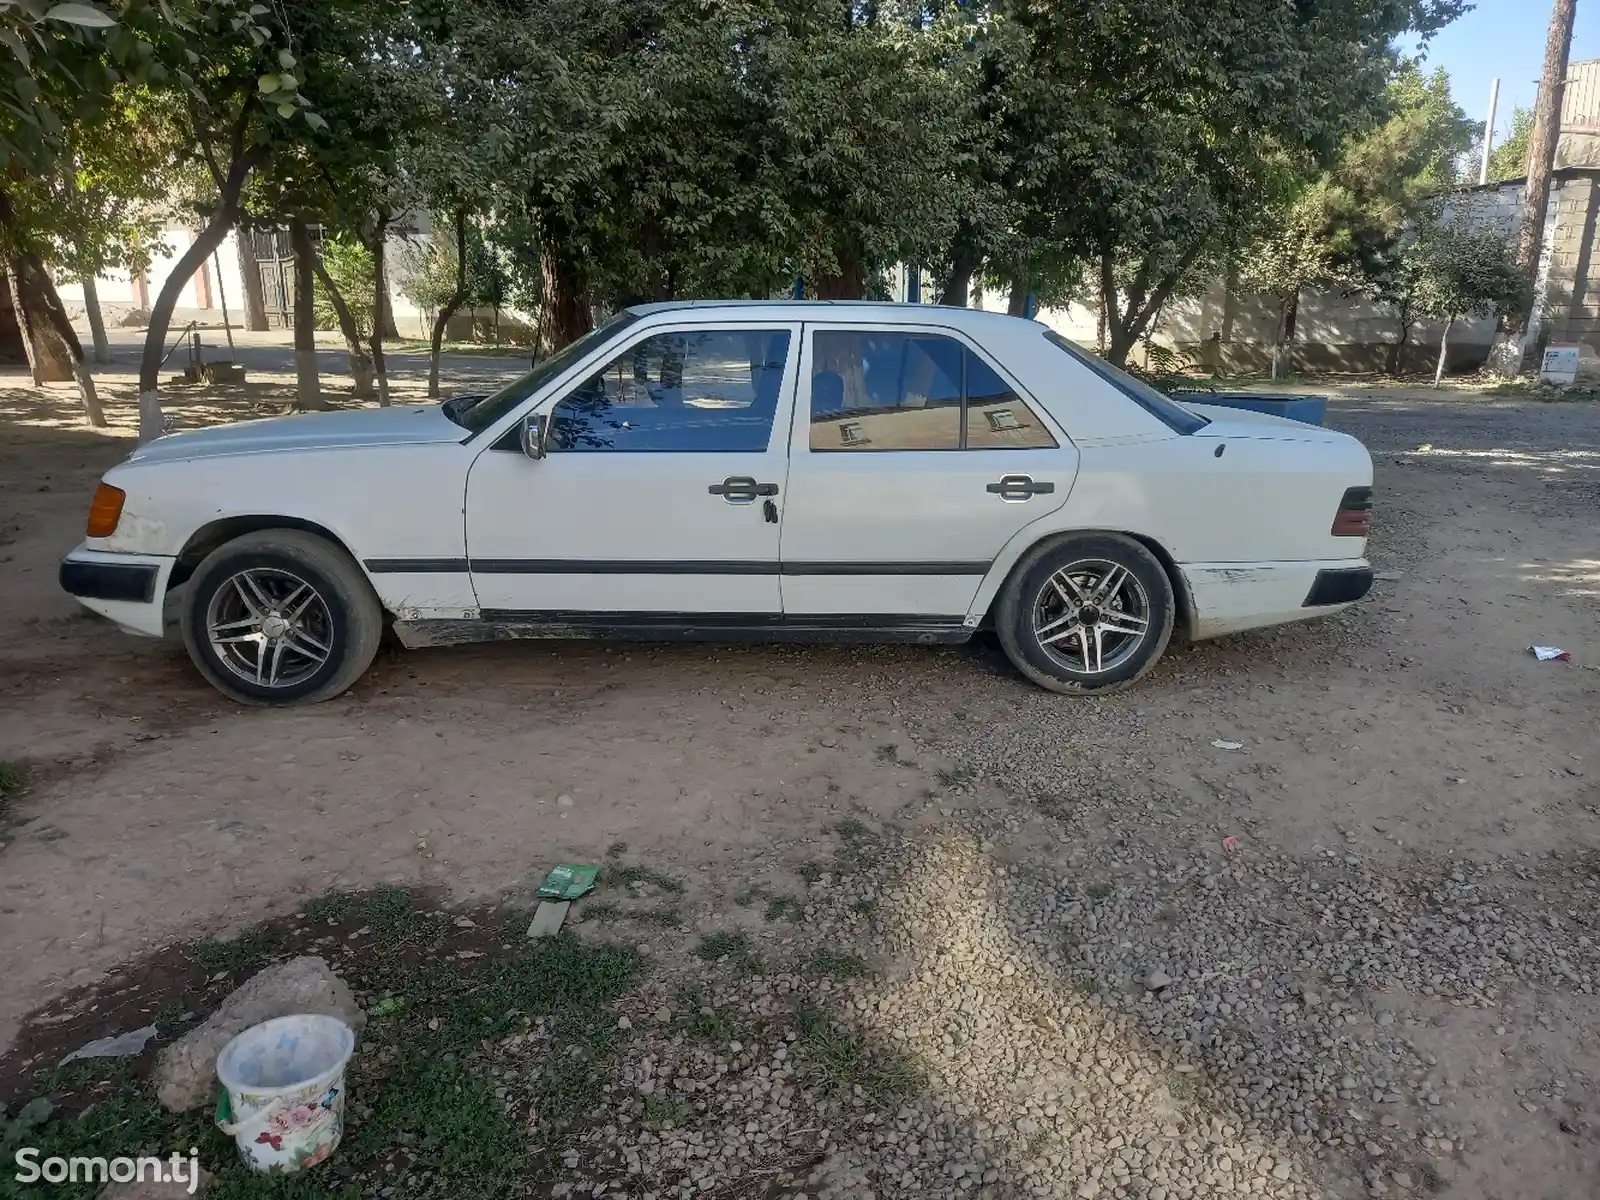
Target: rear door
651 509
914 459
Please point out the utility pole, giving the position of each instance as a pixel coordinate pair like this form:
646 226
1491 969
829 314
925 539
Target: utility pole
1512 343
1488 134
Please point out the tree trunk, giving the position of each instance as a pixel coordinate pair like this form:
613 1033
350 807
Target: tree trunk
380 310
1017 300
1397 351
564 316
255 295
97 320
21 316
360 364
1444 351
449 310
222 219
50 329
963 266
848 282
307 386
1511 345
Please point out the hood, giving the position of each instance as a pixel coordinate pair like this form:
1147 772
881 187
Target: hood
1242 423
400 425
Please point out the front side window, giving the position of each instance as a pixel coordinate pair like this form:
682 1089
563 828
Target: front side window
485 413
873 390
697 391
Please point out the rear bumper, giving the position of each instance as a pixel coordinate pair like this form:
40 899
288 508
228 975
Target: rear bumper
1340 585
1230 597
127 588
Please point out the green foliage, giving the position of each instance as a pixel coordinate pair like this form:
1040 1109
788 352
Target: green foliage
1453 272
11 778
1509 160
349 266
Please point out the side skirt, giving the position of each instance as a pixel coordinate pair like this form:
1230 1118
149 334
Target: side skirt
500 625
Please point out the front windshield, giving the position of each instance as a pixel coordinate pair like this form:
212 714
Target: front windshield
489 410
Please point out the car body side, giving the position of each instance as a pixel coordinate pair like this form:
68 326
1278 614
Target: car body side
1239 512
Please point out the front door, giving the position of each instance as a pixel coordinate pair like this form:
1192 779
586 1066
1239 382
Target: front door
657 502
913 462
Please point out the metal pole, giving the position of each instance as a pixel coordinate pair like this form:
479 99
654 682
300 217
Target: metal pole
1488 132
222 297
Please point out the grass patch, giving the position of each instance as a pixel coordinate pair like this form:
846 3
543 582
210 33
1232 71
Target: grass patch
810 872
11 778
840 966
1098 891
735 948
629 875
661 914
784 908
852 830
866 906
665 1110
616 849
954 776
600 910
247 952
888 752
425 1121
841 1062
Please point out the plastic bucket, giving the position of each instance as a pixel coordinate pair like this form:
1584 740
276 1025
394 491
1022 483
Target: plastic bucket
283 1091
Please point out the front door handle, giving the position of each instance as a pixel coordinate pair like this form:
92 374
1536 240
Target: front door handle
1015 489
742 489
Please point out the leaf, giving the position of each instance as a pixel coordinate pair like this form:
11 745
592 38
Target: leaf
286 110
258 10
268 84
27 89
316 122
17 47
194 59
287 83
285 59
80 14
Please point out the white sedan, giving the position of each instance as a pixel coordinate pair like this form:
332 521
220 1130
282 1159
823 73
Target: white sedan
738 471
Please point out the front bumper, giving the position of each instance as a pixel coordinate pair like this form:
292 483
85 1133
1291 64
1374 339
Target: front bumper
129 589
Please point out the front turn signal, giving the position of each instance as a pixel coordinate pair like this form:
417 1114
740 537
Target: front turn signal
105 510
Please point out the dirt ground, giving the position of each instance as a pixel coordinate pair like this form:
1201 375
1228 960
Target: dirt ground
1415 734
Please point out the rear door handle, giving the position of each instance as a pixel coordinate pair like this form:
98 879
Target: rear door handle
742 489
1016 489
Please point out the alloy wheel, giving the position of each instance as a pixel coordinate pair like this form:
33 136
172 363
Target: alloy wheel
269 627
1092 616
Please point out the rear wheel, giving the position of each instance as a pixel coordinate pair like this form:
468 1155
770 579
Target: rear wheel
1086 613
281 617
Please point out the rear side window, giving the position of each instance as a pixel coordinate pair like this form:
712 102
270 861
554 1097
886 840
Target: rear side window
1170 413
883 390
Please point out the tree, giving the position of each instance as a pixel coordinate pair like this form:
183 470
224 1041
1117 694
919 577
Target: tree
344 300
1509 160
1449 272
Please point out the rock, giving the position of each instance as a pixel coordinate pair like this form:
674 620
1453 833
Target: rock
186 1073
1157 980
564 801
150 1190
1281 1170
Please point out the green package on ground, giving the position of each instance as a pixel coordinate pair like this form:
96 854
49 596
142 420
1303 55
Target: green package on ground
567 881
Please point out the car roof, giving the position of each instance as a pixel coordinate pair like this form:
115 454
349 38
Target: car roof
841 310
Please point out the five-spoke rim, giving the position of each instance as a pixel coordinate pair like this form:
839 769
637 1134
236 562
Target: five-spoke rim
269 627
1092 616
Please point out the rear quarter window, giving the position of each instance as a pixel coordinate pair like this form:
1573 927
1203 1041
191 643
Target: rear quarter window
1169 412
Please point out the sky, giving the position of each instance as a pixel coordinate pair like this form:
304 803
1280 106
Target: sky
1505 39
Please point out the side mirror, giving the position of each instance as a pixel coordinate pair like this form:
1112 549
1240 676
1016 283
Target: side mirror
531 434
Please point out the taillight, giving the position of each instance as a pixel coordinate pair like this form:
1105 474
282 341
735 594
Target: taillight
105 510
1354 518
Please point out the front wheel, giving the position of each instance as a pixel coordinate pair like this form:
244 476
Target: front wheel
1086 613
281 617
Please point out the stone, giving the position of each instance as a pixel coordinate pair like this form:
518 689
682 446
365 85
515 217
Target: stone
186 1074
1280 1171
564 801
1157 980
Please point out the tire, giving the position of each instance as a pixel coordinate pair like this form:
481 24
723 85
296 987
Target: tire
327 647
1045 636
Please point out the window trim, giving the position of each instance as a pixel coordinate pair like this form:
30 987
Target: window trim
812 328
793 329
1189 423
